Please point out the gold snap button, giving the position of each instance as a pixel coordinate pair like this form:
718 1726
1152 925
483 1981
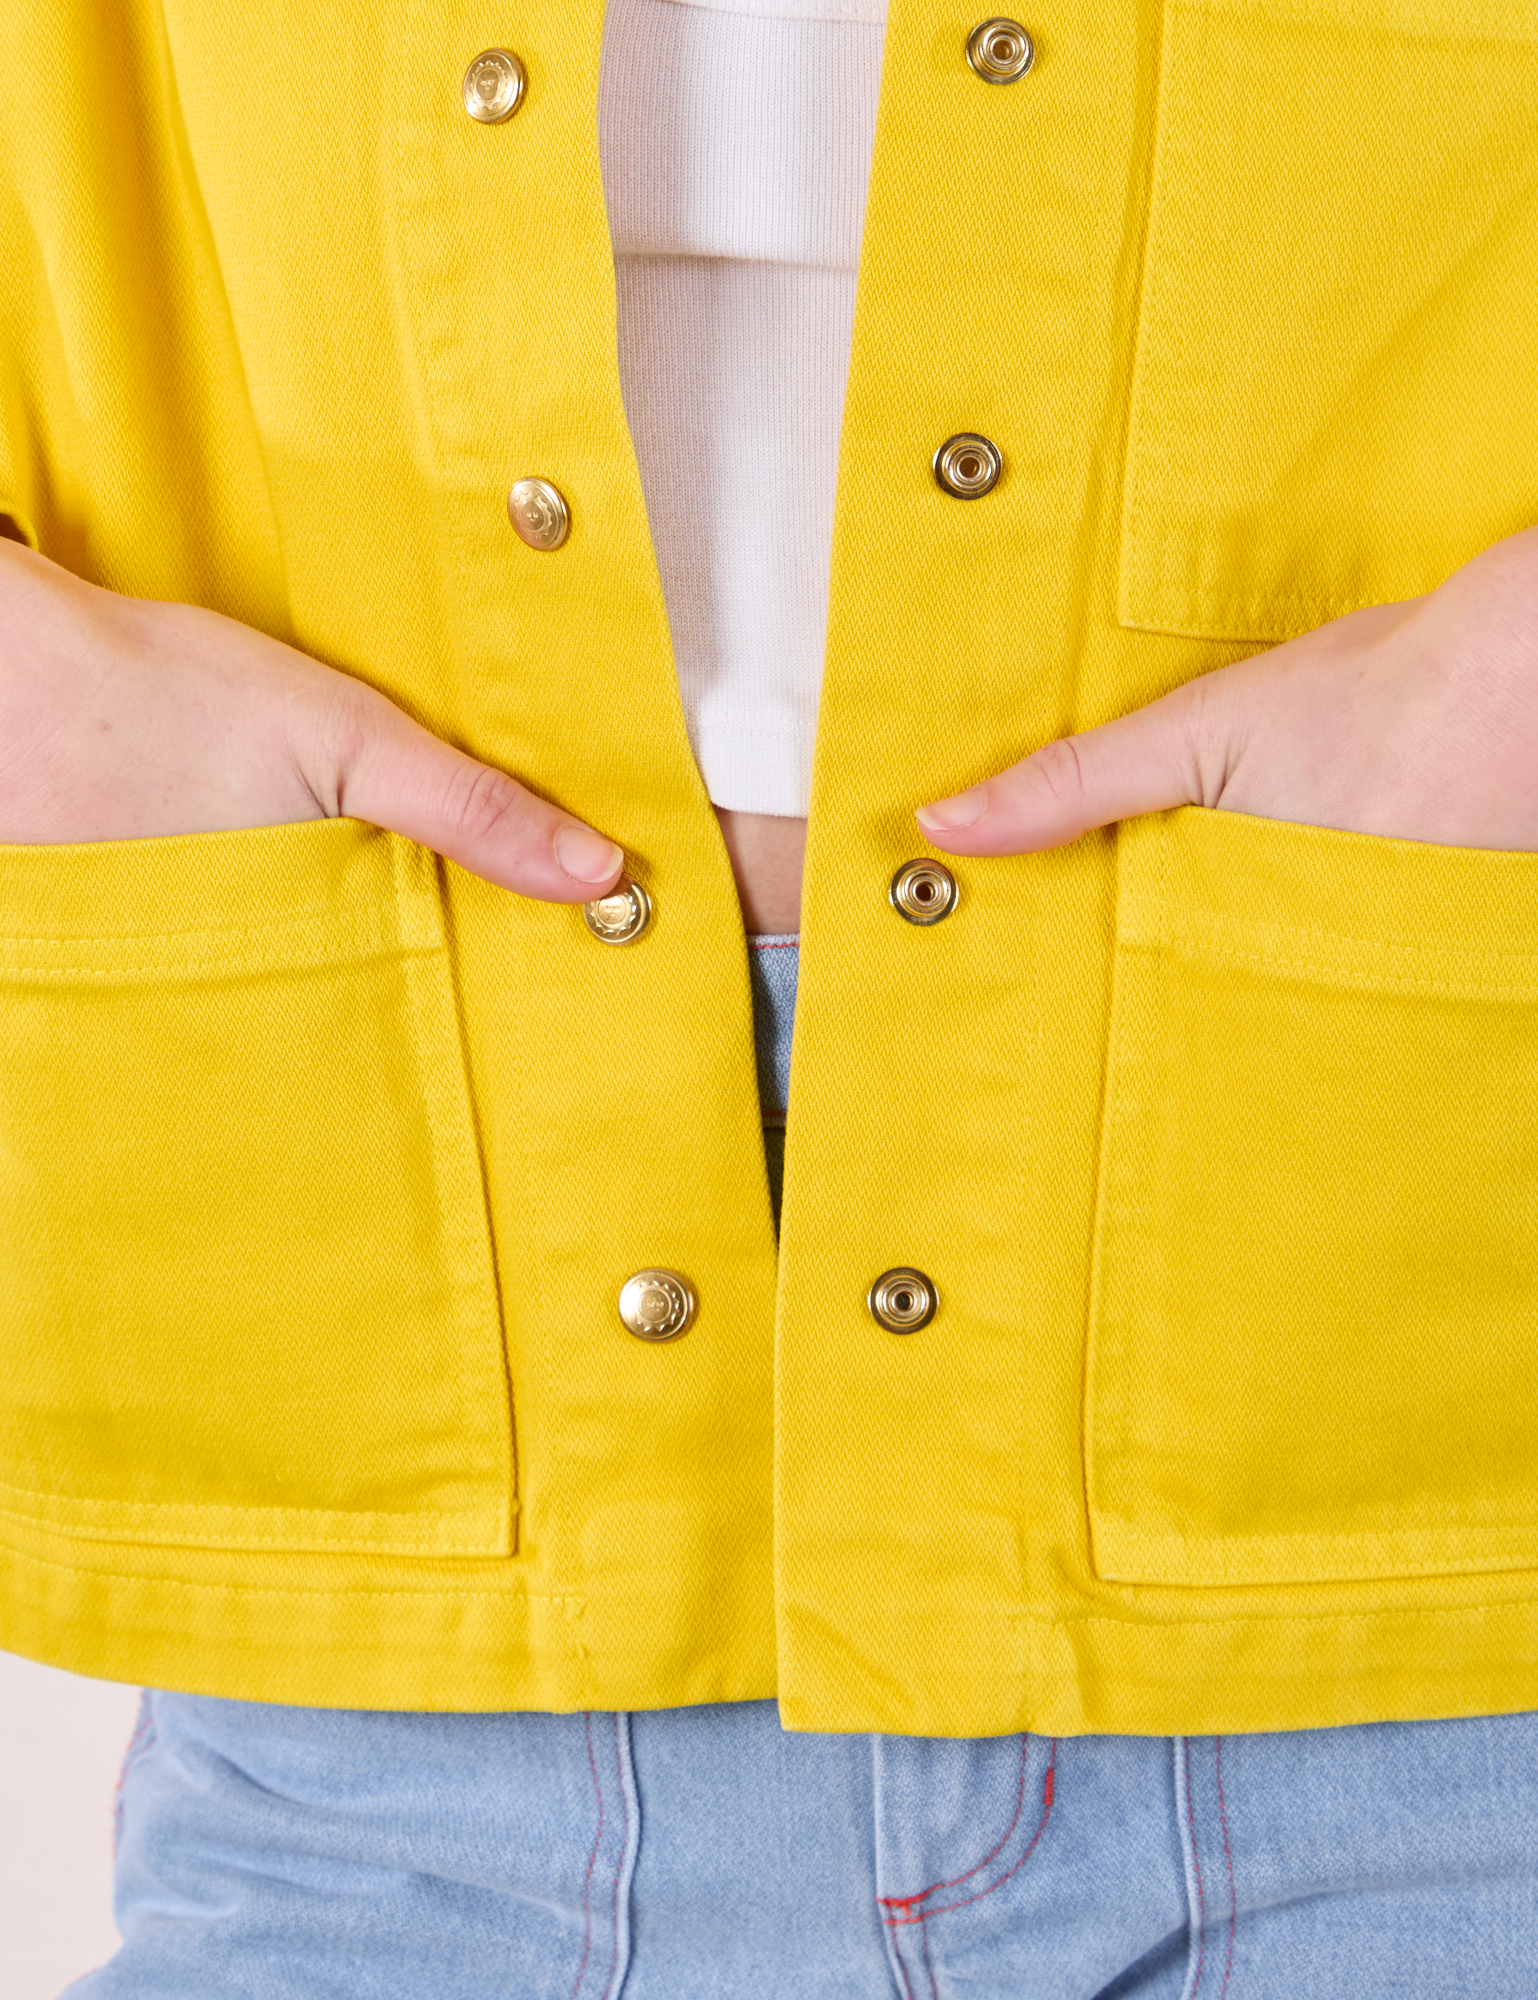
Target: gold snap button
924 891
968 465
656 1305
1000 51
494 86
902 1300
539 513
621 916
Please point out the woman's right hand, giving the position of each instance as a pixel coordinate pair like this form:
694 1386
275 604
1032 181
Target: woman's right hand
122 718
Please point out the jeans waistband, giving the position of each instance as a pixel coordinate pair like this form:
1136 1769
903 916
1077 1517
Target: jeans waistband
773 960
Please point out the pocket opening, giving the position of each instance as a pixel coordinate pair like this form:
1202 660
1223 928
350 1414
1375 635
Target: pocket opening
250 1299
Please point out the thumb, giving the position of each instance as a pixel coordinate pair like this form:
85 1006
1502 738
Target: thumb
1144 762
382 767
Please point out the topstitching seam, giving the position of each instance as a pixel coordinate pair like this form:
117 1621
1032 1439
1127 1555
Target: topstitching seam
140 1743
1477 1608
929 1962
1196 1870
619 1863
1228 1858
907 1902
592 1862
1048 1796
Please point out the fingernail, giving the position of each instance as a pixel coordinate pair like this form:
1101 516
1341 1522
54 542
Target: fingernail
950 815
586 856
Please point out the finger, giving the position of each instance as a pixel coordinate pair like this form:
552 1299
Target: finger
1144 762
394 774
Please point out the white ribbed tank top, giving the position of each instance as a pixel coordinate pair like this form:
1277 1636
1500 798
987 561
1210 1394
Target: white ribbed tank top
736 142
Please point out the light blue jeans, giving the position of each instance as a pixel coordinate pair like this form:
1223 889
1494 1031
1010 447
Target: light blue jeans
704 1854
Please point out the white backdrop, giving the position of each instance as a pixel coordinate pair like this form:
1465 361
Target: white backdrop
61 1745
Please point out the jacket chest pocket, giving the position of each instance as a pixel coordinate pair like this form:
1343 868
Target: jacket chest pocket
248 1297
1332 400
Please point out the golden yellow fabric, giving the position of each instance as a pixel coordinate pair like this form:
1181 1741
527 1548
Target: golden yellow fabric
321 1164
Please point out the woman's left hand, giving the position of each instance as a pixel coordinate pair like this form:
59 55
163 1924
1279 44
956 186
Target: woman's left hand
1418 720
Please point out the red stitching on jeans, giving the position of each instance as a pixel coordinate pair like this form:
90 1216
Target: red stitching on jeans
902 1967
1228 1856
1196 1869
619 1865
907 1902
929 1963
1048 1794
592 1862
142 1739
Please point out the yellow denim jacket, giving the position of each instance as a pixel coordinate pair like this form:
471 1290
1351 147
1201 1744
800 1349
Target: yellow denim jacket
322 1164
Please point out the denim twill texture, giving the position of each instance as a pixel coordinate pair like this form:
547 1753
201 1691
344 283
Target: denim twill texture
773 962
706 1854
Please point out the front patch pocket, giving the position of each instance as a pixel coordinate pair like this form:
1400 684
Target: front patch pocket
248 1296
1314 1324
1332 400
